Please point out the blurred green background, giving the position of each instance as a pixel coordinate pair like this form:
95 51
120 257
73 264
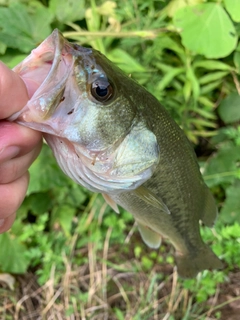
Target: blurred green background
76 258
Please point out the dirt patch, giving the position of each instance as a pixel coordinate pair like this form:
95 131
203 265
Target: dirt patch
229 297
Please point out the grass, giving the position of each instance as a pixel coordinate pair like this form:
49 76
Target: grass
112 282
96 291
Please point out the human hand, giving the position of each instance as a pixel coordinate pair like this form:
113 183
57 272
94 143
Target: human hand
19 146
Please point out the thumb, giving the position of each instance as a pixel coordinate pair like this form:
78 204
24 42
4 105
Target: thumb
13 92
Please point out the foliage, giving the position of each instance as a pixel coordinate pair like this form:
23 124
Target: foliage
186 53
221 172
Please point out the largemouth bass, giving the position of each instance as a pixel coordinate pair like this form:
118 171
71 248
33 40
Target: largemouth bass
111 136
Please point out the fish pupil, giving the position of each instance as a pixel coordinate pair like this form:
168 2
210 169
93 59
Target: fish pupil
102 90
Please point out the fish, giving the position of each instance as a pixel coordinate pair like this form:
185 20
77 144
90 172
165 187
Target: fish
110 135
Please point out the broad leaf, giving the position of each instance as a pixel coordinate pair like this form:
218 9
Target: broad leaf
206 29
229 108
39 203
41 27
68 10
223 167
12 258
45 173
3 48
64 215
233 8
22 30
11 60
230 212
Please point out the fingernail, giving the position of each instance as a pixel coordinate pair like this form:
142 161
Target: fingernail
2 222
9 153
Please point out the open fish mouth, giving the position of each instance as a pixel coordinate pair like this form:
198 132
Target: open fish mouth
48 66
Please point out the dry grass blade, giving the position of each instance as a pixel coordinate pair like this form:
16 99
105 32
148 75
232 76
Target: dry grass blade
104 271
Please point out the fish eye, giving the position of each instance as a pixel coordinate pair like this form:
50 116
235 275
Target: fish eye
101 90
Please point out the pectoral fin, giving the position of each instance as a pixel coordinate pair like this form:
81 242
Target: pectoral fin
110 202
150 237
149 197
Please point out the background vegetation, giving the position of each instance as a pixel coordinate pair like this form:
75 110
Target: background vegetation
68 256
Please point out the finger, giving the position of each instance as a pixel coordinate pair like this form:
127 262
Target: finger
13 92
13 195
14 168
6 224
14 135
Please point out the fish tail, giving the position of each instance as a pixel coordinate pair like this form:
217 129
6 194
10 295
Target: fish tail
189 265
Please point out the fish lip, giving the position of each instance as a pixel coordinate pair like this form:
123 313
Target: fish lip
58 45
51 52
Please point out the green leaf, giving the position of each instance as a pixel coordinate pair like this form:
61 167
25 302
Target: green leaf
187 89
233 8
194 82
210 87
45 173
11 60
12 257
229 108
41 27
206 114
213 76
29 30
168 77
203 122
175 5
206 29
208 103
230 212
125 61
236 60
212 65
39 203
64 215
67 10
164 42
223 167
3 48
